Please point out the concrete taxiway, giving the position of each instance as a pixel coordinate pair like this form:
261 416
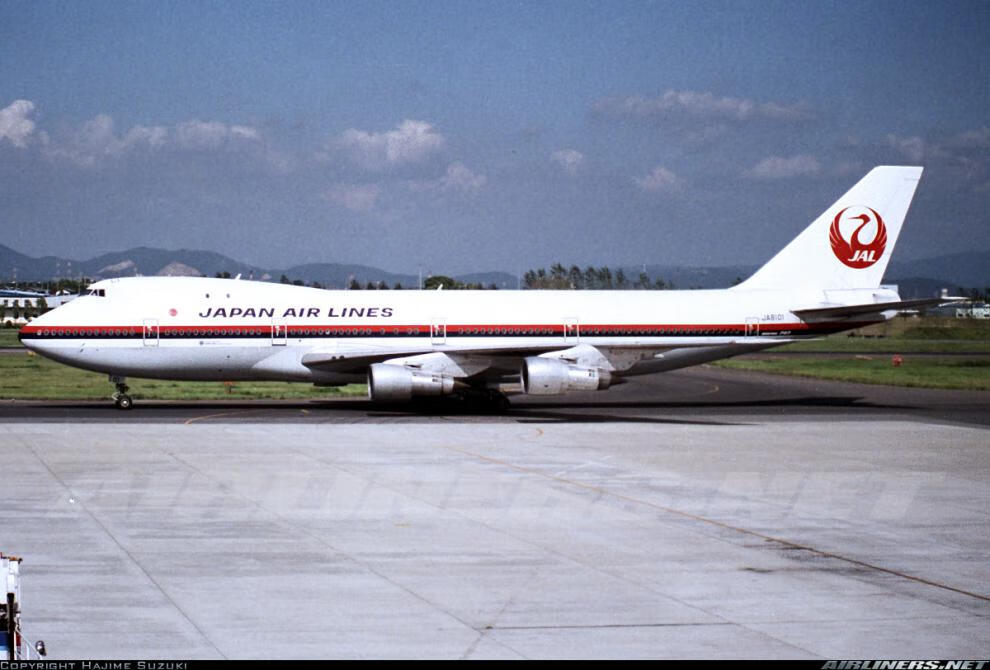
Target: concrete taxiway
703 395
702 513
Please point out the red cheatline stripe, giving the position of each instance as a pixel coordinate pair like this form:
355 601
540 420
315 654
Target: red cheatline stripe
263 330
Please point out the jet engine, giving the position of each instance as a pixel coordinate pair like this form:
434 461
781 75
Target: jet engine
397 383
552 376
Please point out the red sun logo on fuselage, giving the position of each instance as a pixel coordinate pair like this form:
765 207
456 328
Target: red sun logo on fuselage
854 252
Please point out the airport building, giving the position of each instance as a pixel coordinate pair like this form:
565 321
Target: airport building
17 307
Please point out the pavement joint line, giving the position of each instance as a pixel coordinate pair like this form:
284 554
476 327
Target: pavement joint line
495 529
484 630
726 526
648 587
319 539
596 626
129 555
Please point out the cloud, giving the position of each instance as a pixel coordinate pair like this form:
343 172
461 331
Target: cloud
410 142
847 168
355 197
460 178
973 138
695 104
778 167
15 126
457 178
153 136
98 140
660 180
198 134
570 160
911 147
244 132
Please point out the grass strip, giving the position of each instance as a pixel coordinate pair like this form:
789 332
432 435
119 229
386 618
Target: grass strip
30 377
936 373
898 345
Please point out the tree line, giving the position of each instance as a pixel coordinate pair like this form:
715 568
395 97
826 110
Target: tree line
591 278
430 283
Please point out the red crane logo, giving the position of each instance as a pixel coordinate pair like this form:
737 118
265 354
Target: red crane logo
854 252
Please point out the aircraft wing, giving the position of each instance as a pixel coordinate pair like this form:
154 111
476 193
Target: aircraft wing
357 359
817 313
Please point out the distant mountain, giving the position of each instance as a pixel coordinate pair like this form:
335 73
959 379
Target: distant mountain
339 275
149 261
917 278
13 263
923 287
969 268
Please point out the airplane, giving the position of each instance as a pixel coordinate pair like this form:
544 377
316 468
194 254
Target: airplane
485 345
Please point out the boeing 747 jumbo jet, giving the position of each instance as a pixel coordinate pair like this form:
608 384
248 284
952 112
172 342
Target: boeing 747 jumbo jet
485 344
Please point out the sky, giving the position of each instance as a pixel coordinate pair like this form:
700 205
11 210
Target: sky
456 136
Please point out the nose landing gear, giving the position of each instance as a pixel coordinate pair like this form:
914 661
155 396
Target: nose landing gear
120 397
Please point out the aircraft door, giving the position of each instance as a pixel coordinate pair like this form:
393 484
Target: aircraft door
438 331
150 332
572 331
752 325
280 333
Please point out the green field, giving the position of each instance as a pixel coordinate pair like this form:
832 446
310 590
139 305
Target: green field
894 345
29 377
928 372
8 337
905 336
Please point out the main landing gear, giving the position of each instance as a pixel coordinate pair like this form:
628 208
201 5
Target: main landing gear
488 401
120 397
498 402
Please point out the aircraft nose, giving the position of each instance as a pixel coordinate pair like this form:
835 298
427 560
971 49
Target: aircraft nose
32 335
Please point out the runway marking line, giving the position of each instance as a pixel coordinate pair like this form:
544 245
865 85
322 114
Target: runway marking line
721 524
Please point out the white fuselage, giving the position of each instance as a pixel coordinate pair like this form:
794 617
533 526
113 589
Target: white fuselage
229 330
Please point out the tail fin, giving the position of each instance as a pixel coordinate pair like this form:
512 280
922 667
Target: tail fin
850 244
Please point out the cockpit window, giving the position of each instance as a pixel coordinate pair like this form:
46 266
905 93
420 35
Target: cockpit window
101 292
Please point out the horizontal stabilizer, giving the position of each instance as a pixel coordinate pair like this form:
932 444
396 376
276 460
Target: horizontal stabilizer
870 308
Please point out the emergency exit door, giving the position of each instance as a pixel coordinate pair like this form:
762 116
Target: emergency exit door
280 333
150 332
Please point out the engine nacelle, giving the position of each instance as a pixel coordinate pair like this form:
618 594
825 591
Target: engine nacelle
391 383
552 376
